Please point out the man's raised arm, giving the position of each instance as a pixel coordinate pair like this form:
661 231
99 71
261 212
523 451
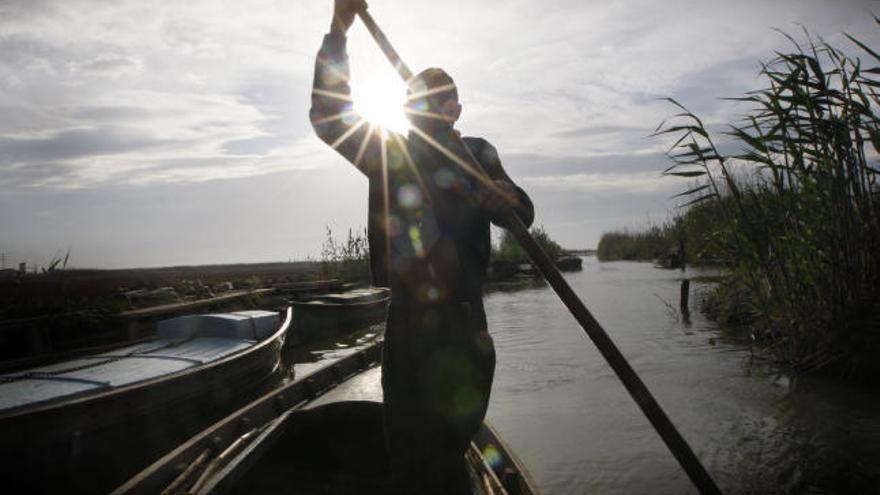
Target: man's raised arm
332 114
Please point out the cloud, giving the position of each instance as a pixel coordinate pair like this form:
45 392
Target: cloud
606 184
599 130
43 175
76 143
113 65
104 90
110 114
537 165
186 83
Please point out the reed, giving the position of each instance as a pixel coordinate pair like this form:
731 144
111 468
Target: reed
800 222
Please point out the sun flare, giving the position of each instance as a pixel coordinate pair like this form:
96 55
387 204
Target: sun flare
380 100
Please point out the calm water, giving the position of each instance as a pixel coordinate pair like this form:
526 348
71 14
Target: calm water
567 416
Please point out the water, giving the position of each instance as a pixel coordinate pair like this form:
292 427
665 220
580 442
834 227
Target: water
567 416
562 409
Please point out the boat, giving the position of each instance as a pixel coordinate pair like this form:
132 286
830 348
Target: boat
320 315
31 342
318 434
310 287
570 263
86 425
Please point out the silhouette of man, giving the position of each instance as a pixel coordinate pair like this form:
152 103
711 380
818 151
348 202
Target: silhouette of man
429 238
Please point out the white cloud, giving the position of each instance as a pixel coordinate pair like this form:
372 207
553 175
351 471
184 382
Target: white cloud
605 183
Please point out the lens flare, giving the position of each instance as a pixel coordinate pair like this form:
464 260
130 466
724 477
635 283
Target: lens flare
493 457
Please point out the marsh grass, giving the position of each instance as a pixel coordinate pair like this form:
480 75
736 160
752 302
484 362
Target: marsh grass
802 231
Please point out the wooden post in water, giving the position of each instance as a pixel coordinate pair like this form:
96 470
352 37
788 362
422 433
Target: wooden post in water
683 302
634 385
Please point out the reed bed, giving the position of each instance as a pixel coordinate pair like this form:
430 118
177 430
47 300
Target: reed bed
799 225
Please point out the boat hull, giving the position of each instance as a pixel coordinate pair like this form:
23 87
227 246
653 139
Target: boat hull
329 314
91 443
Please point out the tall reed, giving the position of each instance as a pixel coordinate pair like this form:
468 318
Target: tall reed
802 229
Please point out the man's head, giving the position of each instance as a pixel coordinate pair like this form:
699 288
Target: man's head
432 100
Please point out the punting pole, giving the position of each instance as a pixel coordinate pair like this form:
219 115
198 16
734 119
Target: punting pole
637 389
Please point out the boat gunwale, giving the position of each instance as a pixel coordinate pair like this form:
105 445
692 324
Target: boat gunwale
91 395
488 433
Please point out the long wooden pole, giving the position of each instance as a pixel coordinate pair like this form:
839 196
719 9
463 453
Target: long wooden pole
637 389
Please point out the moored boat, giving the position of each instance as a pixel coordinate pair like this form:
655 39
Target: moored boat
570 263
85 425
320 434
318 315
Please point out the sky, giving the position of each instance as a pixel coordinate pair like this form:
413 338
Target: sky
137 133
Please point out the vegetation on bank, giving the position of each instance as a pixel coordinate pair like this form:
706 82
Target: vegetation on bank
692 229
508 249
795 214
349 259
64 291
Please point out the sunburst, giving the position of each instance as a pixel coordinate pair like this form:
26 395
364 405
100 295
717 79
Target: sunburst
380 100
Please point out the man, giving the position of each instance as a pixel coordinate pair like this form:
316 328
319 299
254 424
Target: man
429 240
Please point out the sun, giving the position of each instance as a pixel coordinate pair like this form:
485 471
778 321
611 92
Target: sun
380 99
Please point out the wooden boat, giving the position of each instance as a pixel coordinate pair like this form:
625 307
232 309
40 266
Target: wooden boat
32 342
320 434
318 315
86 425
